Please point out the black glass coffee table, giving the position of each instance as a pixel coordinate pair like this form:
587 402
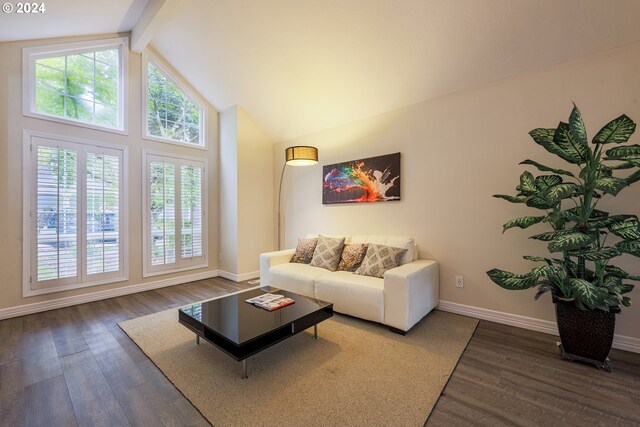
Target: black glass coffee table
241 329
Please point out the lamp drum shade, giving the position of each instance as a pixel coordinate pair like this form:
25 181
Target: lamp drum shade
301 155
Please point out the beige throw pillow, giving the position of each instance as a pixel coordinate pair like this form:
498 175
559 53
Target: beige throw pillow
327 253
352 256
304 251
380 258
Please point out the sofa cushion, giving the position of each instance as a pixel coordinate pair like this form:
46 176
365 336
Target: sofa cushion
327 253
380 258
352 256
360 296
404 242
304 251
294 277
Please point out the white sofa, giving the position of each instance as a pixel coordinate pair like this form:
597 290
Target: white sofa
405 295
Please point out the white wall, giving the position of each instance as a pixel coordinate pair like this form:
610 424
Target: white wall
246 194
229 190
12 124
457 151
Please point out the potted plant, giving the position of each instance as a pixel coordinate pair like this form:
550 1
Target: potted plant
588 289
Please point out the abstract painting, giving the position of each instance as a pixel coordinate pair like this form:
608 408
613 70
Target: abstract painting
376 179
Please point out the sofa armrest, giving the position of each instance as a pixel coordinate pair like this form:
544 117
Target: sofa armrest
269 259
410 292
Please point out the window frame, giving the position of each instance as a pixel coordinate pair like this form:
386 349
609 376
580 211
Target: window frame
31 54
179 265
150 57
82 279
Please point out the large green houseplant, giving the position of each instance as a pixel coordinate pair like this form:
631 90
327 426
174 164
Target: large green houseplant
587 287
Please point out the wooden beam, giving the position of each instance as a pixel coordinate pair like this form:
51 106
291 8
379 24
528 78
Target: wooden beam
151 20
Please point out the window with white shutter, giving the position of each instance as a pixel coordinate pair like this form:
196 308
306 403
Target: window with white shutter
76 224
175 236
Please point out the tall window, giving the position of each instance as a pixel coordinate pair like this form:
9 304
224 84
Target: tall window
172 114
79 83
175 228
76 225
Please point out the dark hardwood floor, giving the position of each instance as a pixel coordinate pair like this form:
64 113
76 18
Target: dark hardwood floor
74 366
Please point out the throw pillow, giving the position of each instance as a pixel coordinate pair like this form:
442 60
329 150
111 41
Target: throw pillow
327 253
304 251
380 258
352 256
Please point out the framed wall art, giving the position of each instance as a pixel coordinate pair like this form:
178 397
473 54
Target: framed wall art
375 179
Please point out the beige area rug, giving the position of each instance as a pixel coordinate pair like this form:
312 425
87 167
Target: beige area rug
357 373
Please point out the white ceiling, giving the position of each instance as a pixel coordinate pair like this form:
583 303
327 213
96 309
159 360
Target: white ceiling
302 66
70 18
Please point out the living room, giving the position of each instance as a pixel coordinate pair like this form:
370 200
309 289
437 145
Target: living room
454 87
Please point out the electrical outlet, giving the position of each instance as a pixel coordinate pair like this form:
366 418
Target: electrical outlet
459 281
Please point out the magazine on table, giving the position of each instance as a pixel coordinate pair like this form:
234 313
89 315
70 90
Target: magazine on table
270 302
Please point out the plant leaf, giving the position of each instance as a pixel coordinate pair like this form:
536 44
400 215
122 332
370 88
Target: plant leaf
612 270
559 192
527 184
606 221
551 235
569 148
538 259
626 288
512 199
544 168
585 292
631 247
543 182
627 229
575 240
545 137
607 252
512 281
576 125
617 130
626 301
538 202
542 136
627 152
634 177
610 184
543 288
522 222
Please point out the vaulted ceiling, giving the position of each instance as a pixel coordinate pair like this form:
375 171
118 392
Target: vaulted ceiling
302 66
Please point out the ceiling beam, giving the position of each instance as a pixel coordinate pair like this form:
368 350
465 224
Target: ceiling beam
154 15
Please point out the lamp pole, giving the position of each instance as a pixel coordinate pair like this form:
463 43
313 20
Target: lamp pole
279 201
299 155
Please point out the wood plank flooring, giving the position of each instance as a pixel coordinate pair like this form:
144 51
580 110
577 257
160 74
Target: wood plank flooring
75 367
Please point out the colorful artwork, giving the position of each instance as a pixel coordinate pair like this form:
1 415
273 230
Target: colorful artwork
376 179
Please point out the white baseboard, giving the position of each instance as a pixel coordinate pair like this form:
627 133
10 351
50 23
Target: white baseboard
239 277
37 307
619 341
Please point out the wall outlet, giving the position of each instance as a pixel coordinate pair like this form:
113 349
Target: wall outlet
459 282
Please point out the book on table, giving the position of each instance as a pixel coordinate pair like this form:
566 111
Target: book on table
270 301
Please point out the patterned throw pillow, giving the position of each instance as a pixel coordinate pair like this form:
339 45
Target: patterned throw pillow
380 258
352 256
327 253
304 251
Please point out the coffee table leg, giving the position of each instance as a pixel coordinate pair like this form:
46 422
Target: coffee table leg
315 331
244 369
197 339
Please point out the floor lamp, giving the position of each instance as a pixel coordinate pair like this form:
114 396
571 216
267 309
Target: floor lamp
300 155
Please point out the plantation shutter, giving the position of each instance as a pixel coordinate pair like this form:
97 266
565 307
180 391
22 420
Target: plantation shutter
56 213
174 215
103 210
76 218
191 211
